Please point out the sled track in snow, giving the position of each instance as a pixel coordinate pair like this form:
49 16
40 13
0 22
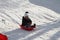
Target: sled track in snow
42 32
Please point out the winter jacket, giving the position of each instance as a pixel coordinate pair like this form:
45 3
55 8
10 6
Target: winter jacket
26 21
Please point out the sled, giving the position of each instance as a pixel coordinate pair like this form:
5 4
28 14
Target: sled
3 37
28 29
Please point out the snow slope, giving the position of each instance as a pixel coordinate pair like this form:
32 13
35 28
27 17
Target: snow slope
51 4
47 20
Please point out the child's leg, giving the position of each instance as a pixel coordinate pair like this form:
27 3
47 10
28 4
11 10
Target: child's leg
28 25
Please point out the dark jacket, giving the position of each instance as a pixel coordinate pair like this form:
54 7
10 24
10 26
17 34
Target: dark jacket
26 21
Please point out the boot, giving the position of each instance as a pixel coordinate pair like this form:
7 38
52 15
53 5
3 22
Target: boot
34 26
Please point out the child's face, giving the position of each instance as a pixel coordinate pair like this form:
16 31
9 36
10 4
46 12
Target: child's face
26 17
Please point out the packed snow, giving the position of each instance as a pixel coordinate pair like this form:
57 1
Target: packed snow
46 19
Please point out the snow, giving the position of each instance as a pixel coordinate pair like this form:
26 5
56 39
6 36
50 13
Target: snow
51 4
46 17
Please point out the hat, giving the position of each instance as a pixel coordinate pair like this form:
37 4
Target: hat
26 13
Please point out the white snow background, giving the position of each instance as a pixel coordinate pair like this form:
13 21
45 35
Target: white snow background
45 13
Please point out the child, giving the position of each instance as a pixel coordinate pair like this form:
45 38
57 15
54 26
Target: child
26 21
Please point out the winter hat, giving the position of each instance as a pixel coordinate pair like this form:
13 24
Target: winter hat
26 14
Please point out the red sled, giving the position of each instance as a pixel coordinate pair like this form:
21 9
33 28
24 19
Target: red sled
3 37
28 29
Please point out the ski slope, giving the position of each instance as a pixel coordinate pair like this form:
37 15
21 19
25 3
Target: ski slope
47 20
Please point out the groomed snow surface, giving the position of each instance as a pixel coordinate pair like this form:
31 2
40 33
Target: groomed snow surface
47 20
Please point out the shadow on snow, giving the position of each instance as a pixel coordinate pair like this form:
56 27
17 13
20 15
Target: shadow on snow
22 34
